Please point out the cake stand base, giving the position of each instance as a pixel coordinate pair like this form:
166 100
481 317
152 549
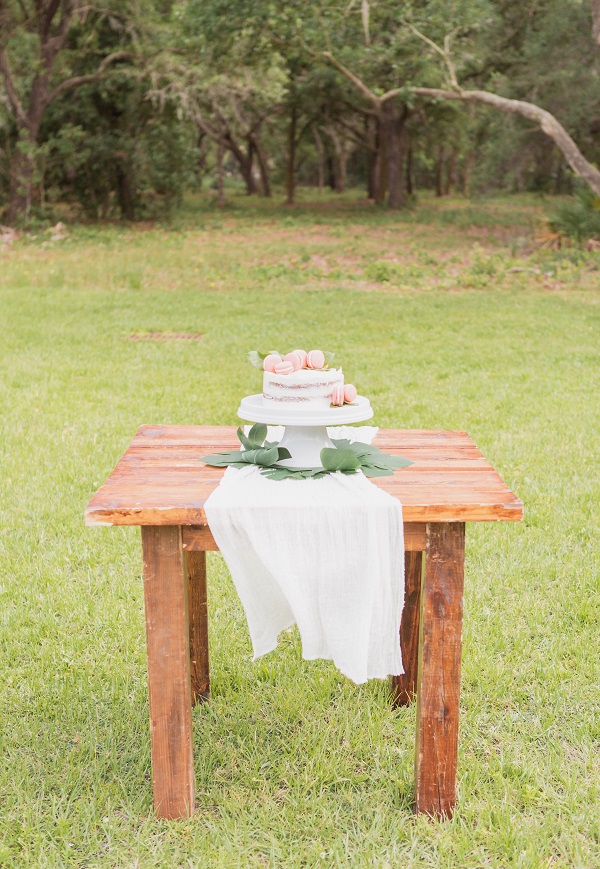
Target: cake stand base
305 432
305 444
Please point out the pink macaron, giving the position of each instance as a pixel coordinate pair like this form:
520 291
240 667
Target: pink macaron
315 359
295 359
350 392
337 396
270 361
284 367
303 357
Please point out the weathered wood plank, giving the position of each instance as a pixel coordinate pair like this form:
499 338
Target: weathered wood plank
198 617
436 752
167 642
404 687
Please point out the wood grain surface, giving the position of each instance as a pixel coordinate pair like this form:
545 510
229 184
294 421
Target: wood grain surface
438 690
160 480
198 616
169 686
404 687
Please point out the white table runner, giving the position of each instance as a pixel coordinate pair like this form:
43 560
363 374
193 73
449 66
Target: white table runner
327 554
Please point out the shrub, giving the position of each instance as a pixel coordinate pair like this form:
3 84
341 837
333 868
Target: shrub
579 217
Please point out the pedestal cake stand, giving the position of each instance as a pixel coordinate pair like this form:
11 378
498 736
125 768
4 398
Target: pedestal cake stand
305 432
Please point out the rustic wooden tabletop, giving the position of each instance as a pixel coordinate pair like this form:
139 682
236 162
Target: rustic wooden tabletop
161 481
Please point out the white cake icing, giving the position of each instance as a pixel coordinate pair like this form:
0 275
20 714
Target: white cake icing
305 389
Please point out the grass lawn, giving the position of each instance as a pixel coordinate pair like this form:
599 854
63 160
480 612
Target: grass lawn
446 317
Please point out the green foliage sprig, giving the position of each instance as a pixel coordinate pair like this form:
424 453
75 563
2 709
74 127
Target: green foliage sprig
346 456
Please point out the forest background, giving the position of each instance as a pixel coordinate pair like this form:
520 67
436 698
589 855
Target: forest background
117 109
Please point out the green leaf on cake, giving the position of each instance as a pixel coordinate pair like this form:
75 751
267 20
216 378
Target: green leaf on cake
256 357
339 460
328 356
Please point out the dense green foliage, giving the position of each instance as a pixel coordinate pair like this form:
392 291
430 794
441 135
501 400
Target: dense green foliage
579 217
180 94
295 766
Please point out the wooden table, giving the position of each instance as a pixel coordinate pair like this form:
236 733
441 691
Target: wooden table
160 485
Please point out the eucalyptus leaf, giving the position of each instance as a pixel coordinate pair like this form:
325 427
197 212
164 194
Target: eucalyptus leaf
356 446
257 435
220 460
263 457
399 462
370 471
328 356
248 445
339 460
347 457
256 358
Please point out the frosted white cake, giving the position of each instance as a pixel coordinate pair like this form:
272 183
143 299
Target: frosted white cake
307 389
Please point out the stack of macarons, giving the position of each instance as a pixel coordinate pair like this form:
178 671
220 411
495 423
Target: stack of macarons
294 361
343 394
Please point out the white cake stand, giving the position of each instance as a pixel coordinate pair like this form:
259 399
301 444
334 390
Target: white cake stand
305 432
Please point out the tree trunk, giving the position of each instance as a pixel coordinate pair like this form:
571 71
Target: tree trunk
450 179
320 159
263 166
439 171
202 153
341 158
330 163
20 191
371 136
245 162
291 162
125 192
381 161
340 175
596 21
220 184
410 179
466 180
396 139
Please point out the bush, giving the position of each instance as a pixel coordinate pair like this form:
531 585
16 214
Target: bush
579 217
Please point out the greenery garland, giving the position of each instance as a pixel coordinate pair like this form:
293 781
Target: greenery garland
346 456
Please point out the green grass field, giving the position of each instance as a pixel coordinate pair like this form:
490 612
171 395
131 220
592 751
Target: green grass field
446 317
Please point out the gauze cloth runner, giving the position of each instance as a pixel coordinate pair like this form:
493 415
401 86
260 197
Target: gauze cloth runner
327 554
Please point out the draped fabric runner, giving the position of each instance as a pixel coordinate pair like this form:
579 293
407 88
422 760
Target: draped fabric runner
327 554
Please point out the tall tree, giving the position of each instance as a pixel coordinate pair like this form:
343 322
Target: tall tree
35 72
451 89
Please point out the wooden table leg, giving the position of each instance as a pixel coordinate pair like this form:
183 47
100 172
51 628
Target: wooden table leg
169 687
440 651
198 610
404 687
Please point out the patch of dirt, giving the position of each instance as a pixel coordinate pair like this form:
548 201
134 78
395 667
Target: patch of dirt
166 336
